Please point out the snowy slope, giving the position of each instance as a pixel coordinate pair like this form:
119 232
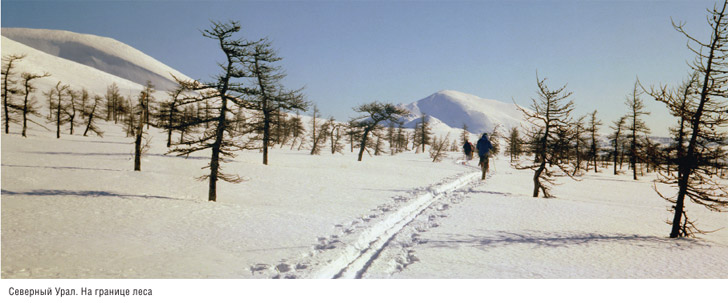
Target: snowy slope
69 72
104 54
454 109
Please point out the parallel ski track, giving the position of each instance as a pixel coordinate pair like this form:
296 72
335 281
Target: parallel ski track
356 258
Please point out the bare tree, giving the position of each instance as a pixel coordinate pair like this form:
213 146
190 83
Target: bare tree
636 127
353 133
29 107
315 132
59 93
401 137
378 145
297 129
148 95
514 149
578 141
707 118
169 114
335 135
9 88
392 138
616 139
438 149
375 113
593 128
423 133
225 93
90 113
269 97
548 113
70 109
130 116
494 137
140 113
113 103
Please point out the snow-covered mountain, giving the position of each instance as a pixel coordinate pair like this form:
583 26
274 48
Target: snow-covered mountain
55 51
453 109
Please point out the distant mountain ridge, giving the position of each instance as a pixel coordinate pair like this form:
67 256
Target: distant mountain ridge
456 109
105 54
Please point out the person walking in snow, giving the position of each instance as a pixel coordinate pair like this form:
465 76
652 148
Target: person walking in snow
468 150
484 146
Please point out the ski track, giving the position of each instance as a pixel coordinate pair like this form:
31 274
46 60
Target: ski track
355 246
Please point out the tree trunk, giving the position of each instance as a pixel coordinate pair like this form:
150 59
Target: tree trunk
7 114
215 158
169 131
138 146
363 143
88 125
679 205
58 118
266 135
537 179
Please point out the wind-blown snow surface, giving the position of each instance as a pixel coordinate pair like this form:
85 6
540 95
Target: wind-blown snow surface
456 109
105 54
73 208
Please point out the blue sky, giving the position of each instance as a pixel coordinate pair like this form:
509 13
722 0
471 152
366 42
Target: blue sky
350 52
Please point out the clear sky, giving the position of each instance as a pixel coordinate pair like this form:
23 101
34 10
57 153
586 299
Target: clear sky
350 52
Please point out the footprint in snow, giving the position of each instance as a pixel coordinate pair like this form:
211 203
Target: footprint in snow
283 267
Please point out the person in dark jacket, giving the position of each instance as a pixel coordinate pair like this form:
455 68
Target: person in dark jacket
484 146
468 150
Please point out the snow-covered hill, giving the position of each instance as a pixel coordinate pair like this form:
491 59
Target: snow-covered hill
455 109
76 75
100 53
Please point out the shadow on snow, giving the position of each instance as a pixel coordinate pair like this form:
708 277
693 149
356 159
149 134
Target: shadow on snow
61 167
81 193
118 154
556 239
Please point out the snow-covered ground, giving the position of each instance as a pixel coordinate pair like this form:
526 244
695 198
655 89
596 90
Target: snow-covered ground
73 208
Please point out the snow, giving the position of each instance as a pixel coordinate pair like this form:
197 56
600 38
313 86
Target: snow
604 226
97 218
73 208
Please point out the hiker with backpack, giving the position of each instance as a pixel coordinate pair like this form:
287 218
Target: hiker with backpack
484 146
468 150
